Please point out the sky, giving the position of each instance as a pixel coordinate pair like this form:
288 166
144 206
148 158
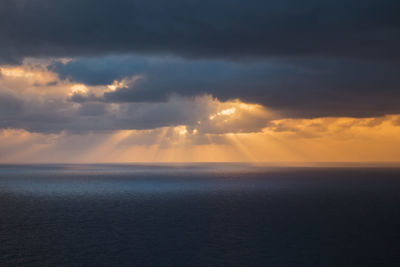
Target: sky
199 81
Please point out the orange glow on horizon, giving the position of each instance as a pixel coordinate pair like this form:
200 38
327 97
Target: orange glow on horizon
315 140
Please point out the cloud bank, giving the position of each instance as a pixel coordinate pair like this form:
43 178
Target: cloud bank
228 29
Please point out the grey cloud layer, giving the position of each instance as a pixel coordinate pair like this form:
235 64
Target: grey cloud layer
298 88
53 115
200 28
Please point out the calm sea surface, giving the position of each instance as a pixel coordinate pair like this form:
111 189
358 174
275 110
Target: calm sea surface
198 215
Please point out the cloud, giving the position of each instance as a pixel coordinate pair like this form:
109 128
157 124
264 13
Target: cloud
338 127
39 109
302 59
229 29
312 87
205 80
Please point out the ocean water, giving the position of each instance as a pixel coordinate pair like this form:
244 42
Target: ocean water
199 215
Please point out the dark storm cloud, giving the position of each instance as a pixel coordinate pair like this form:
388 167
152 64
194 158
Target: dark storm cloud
199 28
299 88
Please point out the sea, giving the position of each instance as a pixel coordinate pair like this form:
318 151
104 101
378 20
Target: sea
199 215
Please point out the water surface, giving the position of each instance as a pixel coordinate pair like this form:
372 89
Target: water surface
198 215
